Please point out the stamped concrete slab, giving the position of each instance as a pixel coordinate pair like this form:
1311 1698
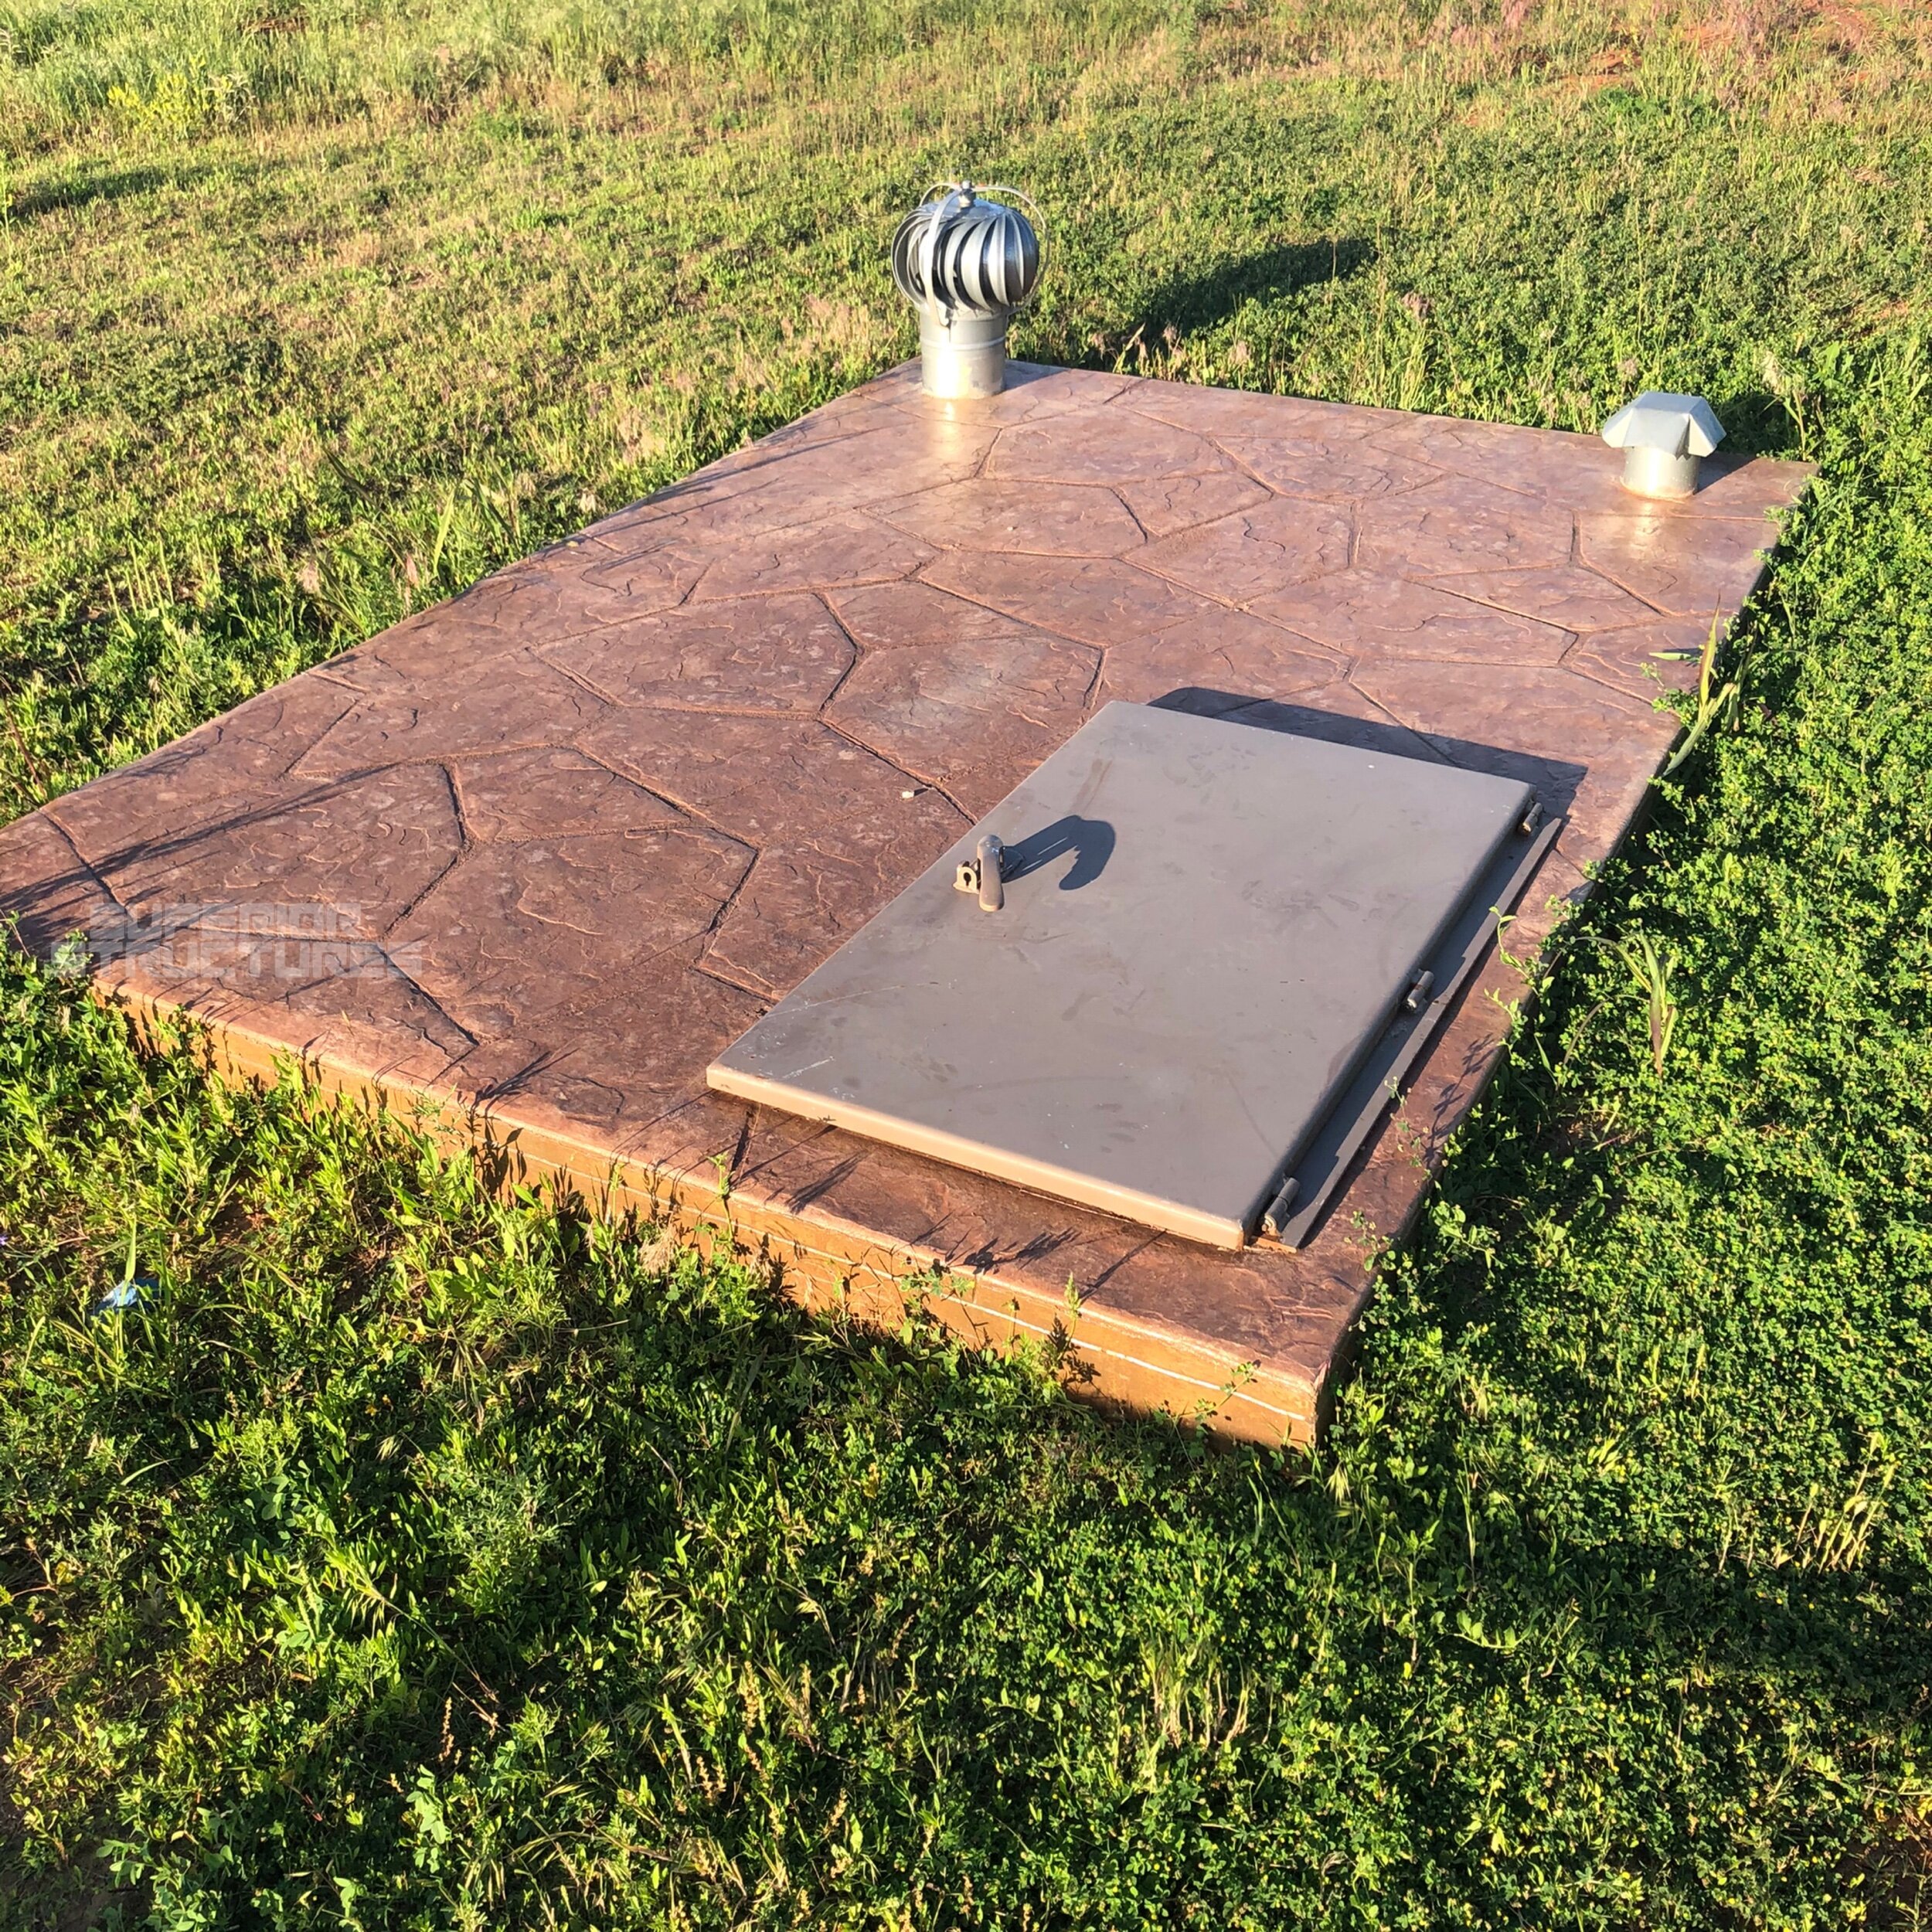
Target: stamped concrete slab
543 853
1367 614
1044 519
1256 551
1229 655
939 715
1163 505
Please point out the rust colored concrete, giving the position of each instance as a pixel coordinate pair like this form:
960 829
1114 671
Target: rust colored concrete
541 853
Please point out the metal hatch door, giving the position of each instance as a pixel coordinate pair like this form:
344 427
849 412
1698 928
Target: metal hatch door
1203 931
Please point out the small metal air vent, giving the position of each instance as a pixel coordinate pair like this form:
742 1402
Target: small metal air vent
1172 975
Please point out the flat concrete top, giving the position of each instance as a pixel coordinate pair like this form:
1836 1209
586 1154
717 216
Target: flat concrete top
1205 928
552 846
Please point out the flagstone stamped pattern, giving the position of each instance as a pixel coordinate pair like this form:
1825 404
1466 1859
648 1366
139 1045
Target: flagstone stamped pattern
541 852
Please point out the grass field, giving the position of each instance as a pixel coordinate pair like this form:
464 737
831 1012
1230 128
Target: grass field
414 1558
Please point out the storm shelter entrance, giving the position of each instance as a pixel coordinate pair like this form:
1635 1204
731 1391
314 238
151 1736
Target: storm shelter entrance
1174 975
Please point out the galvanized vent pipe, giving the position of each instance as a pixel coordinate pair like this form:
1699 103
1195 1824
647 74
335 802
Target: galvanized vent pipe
1663 437
966 263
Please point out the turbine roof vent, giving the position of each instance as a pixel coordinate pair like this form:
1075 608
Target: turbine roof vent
967 262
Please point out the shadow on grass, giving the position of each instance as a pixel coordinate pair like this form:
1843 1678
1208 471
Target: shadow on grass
1756 422
1190 303
83 186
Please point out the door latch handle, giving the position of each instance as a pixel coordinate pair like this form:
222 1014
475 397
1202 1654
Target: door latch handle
985 873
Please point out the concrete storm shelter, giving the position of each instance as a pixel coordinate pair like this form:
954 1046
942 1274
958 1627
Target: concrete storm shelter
644 856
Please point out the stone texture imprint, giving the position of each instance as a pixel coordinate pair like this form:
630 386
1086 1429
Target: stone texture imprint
544 851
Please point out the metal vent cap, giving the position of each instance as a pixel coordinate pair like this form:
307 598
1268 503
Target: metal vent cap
966 262
1663 436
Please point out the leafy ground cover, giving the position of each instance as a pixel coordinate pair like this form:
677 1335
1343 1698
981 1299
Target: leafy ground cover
411 1556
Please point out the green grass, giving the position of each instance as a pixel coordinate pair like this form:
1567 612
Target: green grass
414 1557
